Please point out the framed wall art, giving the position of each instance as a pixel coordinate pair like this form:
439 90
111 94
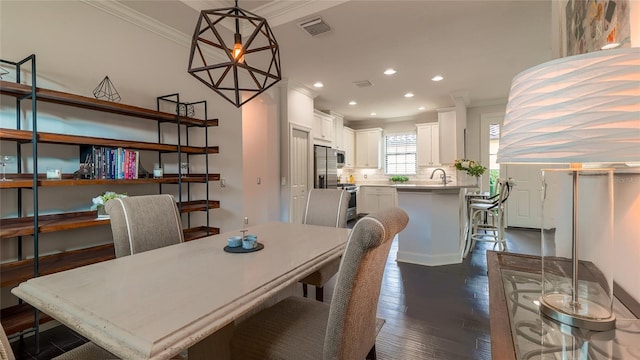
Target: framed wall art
592 25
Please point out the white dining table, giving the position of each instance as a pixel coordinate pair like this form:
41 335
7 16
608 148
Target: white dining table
155 304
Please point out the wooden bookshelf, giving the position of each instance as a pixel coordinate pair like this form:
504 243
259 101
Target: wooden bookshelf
15 272
23 226
199 205
58 97
52 138
21 317
26 180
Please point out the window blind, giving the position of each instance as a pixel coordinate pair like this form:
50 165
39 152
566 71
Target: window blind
400 154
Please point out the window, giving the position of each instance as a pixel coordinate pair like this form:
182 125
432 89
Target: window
400 154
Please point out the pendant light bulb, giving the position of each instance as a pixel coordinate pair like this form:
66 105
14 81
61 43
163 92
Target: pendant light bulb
237 49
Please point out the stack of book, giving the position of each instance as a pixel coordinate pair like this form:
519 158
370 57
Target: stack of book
110 163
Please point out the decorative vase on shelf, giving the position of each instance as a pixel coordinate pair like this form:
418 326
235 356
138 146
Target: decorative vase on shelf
102 213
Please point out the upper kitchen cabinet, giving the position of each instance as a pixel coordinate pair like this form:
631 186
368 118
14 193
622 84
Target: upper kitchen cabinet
323 129
428 138
368 148
451 125
338 137
348 141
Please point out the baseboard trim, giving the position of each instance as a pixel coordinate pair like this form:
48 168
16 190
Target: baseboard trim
429 260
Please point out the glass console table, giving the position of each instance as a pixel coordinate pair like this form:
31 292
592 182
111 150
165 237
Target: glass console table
519 331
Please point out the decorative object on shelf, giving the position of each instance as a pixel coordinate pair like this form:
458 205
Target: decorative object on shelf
183 109
471 167
54 174
106 90
157 171
4 161
399 179
237 70
184 169
100 200
577 109
3 71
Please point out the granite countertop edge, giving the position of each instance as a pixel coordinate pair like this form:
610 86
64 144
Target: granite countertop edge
413 187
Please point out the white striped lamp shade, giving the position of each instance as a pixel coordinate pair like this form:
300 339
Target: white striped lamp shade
577 109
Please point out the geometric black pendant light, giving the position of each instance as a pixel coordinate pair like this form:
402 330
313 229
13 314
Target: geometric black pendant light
235 66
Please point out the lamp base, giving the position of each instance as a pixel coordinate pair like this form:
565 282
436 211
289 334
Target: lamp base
591 315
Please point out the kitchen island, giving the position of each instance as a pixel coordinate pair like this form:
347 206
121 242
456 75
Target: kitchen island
436 220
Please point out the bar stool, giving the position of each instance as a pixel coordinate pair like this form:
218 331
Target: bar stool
486 218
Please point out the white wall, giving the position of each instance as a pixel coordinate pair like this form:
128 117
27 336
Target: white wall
261 159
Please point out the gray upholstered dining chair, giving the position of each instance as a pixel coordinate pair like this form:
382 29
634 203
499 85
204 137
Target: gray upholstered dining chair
138 224
142 223
300 328
325 207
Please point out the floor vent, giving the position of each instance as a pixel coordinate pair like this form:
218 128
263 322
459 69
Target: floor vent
314 26
363 83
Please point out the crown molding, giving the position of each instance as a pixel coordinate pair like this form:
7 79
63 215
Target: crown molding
137 18
148 23
279 12
297 86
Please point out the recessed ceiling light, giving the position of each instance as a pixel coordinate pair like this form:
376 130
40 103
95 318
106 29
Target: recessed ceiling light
421 108
389 71
352 102
373 114
408 95
437 78
318 84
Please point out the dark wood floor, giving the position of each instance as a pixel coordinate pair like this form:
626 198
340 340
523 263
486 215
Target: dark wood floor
439 312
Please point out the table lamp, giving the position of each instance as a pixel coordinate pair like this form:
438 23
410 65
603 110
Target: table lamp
578 110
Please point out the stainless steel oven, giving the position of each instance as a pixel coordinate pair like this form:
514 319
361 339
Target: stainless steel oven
352 212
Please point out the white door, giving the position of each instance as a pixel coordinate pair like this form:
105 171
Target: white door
299 174
525 203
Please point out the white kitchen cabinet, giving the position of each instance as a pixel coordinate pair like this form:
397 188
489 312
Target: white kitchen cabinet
368 147
451 129
348 141
322 129
338 137
428 139
376 198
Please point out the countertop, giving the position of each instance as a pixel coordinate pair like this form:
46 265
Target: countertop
420 186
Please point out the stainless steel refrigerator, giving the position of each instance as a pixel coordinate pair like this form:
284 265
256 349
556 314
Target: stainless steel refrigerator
325 162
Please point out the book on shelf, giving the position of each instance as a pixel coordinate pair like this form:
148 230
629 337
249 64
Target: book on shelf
111 163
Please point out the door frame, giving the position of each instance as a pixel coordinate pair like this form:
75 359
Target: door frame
308 131
485 120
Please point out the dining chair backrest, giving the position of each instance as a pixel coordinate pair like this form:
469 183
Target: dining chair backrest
6 353
142 223
327 207
351 329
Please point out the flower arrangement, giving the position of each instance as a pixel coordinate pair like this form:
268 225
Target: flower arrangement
470 167
102 199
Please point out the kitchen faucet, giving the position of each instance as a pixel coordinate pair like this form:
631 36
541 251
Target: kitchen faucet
443 176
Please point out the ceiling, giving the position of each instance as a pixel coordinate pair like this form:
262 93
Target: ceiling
477 46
